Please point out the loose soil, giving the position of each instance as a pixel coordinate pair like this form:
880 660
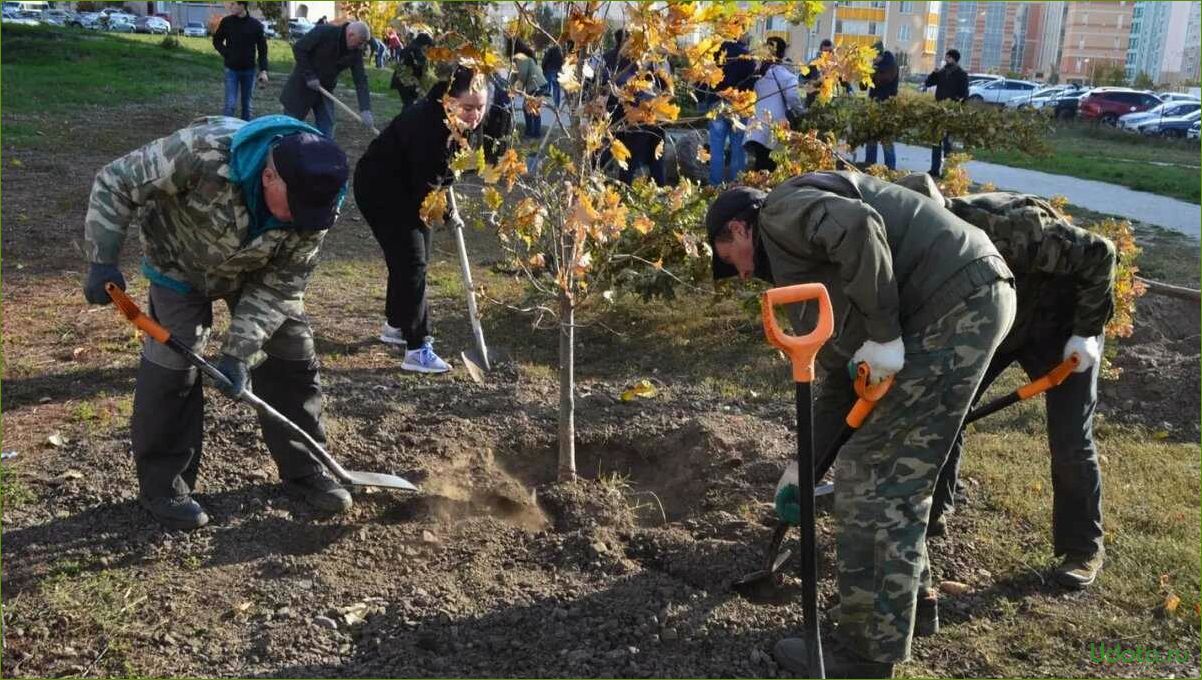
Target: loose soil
495 569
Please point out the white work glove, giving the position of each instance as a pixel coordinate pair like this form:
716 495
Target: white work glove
314 84
1088 351
368 119
262 77
883 360
789 478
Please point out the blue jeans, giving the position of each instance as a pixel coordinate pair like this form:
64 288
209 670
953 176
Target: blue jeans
534 122
239 82
553 82
722 129
890 155
937 154
323 116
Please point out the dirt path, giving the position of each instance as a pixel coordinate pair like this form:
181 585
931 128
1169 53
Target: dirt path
496 571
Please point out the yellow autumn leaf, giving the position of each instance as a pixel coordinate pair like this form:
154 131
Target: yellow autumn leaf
511 166
434 208
436 53
492 198
567 77
641 389
1171 602
643 224
620 153
537 261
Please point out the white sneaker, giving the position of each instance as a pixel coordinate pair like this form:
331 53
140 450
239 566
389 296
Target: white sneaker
392 336
424 360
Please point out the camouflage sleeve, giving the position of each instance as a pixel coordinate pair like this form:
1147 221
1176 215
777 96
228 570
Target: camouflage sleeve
163 167
1034 237
271 295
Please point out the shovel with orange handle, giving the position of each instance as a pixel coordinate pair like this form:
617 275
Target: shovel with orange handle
801 351
129 309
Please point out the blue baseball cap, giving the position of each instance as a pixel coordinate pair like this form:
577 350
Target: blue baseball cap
315 171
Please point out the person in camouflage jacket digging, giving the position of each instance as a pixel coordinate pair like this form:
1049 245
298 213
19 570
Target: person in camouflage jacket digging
1065 281
231 211
918 294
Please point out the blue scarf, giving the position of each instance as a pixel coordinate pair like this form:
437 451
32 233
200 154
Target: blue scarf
248 156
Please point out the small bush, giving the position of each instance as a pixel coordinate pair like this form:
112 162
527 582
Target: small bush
170 42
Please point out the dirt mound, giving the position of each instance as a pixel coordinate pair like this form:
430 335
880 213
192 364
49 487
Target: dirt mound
1159 385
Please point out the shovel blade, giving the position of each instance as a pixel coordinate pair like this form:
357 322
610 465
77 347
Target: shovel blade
477 364
377 479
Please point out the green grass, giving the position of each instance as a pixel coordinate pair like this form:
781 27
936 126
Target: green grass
1159 166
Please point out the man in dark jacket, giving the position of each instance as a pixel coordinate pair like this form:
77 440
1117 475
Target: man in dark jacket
1065 280
884 88
738 72
321 55
950 82
236 39
918 294
552 65
409 76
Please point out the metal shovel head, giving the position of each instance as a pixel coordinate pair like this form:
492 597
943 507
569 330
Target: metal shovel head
478 365
379 479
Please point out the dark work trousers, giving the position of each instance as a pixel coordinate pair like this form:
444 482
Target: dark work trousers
406 242
762 156
944 148
1076 476
642 142
168 419
495 132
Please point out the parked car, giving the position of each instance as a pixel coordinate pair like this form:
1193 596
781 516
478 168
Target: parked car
269 30
1170 127
195 29
89 20
1037 99
57 17
18 18
974 78
166 17
1192 132
122 23
152 25
1176 97
1000 91
1169 109
1106 104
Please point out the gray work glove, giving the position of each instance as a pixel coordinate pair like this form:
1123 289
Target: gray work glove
98 276
235 371
314 84
368 119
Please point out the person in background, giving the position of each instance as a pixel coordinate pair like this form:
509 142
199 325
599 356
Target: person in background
738 72
498 123
393 40
884 88
643 141
950 83
777 95
236 39
411 69
527 78
321 55
378 51
406 162
552 65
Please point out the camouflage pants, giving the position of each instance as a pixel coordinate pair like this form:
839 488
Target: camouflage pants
885 475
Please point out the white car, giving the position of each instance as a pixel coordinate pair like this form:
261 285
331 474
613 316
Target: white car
122 23
1176 97
1000 91
1037 99
1192 133
1169 109
195 29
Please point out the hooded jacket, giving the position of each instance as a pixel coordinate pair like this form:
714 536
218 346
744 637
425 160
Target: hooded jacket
893 261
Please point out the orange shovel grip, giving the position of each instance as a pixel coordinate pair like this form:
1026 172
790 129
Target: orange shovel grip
868 395
129 309
801 349
1053 378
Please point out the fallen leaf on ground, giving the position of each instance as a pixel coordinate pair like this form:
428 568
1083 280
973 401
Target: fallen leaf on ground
642 388
955 588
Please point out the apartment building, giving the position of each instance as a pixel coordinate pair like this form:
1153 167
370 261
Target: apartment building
1096 34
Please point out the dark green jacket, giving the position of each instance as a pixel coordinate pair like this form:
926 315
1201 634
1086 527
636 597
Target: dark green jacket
893 261
1064 274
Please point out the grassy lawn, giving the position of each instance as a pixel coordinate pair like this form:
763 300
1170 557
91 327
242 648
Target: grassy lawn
1160 166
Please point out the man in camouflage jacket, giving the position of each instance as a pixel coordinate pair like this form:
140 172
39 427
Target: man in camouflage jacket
917 294
1065 281
232 211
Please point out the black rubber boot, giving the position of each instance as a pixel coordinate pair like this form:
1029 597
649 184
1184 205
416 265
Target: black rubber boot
320 491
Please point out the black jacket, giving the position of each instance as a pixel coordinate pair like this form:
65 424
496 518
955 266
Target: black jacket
323 54
951 82
236 39
409 158
884 77
552 59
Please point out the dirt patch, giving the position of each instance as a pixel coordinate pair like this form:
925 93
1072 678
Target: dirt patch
1159 385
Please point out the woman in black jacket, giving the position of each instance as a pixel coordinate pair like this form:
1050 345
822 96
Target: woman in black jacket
409 159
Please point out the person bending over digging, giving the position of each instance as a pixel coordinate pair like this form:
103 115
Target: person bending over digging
919 295
232 211
409 159
1065 281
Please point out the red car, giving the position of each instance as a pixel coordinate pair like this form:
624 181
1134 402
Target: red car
1107 104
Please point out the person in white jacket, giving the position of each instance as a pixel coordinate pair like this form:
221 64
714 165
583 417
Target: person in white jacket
777 93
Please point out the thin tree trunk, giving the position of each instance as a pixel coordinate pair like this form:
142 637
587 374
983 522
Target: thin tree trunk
567 389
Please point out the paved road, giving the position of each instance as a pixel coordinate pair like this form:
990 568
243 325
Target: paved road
1106 198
